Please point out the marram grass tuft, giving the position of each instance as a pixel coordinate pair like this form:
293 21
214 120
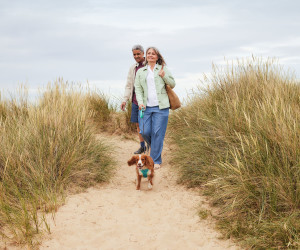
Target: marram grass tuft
45 148
239 138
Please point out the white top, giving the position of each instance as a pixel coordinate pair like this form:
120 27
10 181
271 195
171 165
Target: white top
152 96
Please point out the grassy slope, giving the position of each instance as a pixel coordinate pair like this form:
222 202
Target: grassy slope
240 139
45 148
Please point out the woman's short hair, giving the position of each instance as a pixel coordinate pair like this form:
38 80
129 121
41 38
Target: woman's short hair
138 47
160 60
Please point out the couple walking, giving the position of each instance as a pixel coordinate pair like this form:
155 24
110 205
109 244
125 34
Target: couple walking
145 87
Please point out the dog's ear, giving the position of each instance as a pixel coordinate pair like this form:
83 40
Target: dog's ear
149 161
132 161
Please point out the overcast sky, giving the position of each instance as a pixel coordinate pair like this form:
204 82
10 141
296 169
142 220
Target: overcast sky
91 40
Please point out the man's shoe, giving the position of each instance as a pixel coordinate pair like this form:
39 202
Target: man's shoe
147 148
140 151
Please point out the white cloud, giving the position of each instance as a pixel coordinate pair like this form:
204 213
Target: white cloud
160 20
271 46
91 40
113 89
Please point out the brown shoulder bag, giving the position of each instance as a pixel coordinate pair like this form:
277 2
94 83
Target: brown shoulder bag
173 98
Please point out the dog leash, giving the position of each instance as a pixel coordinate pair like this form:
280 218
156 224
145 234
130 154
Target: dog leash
142 111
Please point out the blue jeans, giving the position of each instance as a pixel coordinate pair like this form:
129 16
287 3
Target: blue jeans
153 128
134 113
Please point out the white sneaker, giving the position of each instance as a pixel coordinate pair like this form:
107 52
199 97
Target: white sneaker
156 166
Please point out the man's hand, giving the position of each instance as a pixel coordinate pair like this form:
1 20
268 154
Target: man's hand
123 106
162 72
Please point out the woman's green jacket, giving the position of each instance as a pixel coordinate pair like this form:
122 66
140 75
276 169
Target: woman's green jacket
141 89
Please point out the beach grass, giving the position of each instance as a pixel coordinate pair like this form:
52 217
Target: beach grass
107 116
238 137
46 148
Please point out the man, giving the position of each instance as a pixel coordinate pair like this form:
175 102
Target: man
129 94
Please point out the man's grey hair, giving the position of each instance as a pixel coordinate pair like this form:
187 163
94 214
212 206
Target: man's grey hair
138 47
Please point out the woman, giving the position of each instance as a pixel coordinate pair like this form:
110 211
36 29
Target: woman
152 96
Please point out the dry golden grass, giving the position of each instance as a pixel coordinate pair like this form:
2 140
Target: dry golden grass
106 116
45 148
239 138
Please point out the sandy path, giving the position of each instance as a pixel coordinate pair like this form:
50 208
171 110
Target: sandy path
116 216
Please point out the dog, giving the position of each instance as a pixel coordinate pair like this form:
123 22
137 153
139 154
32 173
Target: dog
144 168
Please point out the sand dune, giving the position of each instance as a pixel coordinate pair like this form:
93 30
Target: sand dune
116 216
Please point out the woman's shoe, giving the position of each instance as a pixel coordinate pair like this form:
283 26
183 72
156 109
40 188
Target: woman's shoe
156 166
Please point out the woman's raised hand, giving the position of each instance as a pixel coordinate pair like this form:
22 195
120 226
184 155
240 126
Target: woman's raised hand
162 72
